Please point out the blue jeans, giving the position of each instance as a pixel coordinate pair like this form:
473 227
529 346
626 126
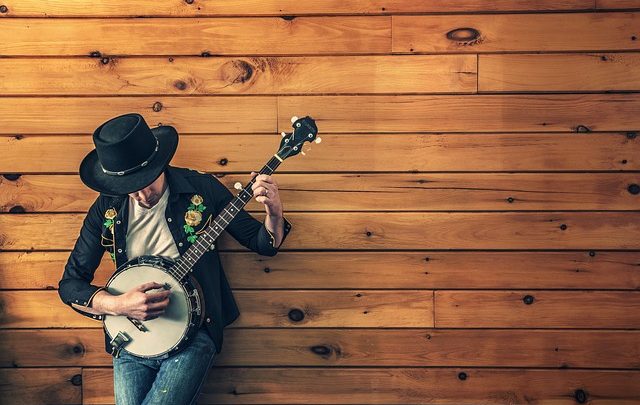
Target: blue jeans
175 379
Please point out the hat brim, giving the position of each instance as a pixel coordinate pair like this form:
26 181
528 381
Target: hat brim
93 177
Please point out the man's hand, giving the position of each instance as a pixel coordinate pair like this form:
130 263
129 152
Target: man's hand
135 303
265 189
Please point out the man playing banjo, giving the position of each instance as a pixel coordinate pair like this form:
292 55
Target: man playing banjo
148 207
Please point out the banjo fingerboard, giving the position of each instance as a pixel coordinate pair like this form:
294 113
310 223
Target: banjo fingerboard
186 262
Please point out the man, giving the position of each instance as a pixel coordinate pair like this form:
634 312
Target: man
145 208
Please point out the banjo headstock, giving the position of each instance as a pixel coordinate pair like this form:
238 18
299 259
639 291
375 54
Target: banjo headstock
304 130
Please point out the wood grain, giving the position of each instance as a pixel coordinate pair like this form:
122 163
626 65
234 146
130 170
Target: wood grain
558 72
197 36
466 233
352 347
376 308
242 75
344 114
395 385
544 32
222 154
174 8
319 308
394 230
537 309
473 113
41 386
351 270
373 191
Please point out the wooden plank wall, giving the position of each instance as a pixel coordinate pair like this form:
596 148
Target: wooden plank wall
467 232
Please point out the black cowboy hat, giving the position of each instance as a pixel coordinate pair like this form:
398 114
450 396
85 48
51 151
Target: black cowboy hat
128 155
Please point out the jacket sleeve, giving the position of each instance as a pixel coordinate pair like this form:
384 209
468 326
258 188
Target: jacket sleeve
246 229
75 285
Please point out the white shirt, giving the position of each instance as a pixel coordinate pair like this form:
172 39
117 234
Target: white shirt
148 232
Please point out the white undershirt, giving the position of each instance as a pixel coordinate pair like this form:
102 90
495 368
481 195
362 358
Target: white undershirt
148 232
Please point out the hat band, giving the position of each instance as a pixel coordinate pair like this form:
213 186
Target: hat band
137 167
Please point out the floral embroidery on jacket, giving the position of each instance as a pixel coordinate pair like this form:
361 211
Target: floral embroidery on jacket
193 217
110 214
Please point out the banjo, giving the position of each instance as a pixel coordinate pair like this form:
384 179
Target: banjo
170 332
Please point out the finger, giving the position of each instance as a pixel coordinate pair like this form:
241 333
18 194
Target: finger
272 188
264 177
159 296
262 199
156 306
260 191
258 183
149 286
153 315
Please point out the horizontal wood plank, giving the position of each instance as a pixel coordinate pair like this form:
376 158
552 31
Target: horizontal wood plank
53 347
259 308
39 309
228 114
394 230
313 270
242 75
616 4
559 72
395 386
354 347
373 192
344 114
376 308
41 386
537 309
515 32
493 152
43 270
213 36
178 8
472 113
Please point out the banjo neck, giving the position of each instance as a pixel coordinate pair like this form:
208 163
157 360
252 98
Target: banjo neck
185 263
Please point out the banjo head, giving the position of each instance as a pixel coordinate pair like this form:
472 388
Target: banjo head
159 335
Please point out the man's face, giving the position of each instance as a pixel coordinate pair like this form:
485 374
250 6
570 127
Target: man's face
150 195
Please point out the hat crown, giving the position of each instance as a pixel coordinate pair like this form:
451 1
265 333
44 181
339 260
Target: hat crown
124 144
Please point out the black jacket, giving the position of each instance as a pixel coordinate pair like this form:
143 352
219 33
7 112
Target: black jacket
96 237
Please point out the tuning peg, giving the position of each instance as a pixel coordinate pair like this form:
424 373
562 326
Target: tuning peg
294 119
283 134
318 140
238 185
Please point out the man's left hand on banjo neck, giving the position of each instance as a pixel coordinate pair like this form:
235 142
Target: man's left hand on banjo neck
265 190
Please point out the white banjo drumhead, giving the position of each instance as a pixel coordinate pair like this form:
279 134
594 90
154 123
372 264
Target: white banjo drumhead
163 332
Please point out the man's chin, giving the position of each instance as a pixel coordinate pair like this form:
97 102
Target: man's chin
143 205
